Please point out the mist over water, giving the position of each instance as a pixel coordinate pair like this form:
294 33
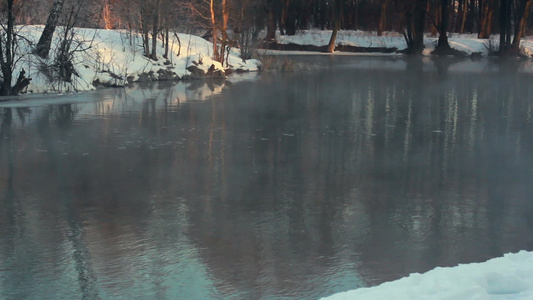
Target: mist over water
286 186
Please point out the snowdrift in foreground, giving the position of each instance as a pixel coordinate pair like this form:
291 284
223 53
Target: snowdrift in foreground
507 277
113 56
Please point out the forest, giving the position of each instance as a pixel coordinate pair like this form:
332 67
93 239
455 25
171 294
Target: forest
252 24
245 19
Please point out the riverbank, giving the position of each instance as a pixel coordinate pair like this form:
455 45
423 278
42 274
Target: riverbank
111 58
368 42
114 58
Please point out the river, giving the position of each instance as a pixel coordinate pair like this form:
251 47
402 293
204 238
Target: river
291 185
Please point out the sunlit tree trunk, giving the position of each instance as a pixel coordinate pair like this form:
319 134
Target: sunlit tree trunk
383 17
214 30
331 44
337 20
487 14
106 15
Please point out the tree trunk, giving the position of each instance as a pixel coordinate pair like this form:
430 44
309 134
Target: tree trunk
505 20
45 41
464 15
436 20
167 40
225 18
520 26
336 16
6 51
415 18
290 18
271 23
146 43
485 27
443 26
144 17
419 21
282 16
106 15
383 17
214 30
331 44
155 28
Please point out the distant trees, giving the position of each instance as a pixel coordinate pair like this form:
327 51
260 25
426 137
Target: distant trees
509 17
246 22
487 12
239 22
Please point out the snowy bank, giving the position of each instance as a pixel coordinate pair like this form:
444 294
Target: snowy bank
114 57
468 43
507 277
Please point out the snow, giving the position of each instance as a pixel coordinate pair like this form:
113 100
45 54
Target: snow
507 277
468 43
118 52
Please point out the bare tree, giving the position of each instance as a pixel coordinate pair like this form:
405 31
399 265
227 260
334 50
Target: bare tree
8 54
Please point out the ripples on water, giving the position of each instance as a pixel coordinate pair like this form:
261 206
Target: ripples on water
289 186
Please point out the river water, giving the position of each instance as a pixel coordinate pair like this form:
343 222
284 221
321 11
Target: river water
353 172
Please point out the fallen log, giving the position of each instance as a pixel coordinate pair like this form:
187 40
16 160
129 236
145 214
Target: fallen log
313 48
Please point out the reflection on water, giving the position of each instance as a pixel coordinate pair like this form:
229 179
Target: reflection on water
290 186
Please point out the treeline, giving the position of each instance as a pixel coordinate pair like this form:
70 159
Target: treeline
239 22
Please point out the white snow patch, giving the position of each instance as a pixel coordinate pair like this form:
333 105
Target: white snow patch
468 43
118 52
507 277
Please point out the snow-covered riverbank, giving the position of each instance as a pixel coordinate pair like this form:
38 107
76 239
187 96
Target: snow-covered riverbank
507 277
112 57
468 43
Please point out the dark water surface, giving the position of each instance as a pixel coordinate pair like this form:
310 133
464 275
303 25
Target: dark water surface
288 186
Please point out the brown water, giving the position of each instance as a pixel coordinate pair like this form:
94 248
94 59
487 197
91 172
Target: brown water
285 186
